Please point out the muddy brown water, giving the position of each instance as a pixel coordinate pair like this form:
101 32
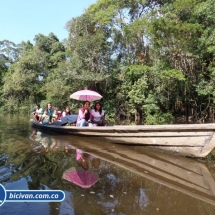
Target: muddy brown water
130 180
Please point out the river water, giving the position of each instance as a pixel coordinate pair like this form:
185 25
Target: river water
122 180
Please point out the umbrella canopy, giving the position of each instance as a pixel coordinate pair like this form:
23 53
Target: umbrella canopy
86 95
81 177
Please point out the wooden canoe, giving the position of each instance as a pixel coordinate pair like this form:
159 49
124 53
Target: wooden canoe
192 140
185 175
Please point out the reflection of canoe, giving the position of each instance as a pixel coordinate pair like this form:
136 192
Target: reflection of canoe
182 174
188 140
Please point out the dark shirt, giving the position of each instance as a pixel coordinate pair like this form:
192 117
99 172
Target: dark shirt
87 116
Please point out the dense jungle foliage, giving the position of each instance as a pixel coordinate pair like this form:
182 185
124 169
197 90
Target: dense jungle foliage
151 60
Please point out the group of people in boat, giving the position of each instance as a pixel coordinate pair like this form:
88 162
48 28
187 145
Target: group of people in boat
86 116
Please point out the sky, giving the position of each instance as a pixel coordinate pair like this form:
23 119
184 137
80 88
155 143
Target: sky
21 20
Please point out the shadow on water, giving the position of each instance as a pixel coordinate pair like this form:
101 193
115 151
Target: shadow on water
99 177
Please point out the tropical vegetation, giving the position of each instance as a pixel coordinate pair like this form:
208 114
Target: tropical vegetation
151 60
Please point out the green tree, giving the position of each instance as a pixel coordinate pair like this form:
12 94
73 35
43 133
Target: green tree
25 82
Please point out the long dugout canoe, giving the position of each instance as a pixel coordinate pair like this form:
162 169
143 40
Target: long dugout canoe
192 140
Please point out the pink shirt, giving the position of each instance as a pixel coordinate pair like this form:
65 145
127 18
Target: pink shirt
81 114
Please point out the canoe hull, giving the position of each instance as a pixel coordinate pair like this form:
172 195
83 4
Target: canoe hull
186 140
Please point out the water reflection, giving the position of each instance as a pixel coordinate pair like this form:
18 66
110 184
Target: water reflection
84 178
86 159
127 180
82 175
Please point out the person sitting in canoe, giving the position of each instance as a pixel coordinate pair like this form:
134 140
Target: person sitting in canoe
98 115
84 115
49 112
59 113
45 117
37 113
55 115
66 112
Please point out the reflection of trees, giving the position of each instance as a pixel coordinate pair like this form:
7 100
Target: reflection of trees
5 170
29 160
43 168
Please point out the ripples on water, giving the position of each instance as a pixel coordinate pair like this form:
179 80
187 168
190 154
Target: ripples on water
130 180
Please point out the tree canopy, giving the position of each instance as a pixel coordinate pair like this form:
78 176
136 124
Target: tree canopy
152 60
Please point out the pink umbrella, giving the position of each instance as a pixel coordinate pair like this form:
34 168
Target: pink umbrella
86 95
81 177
